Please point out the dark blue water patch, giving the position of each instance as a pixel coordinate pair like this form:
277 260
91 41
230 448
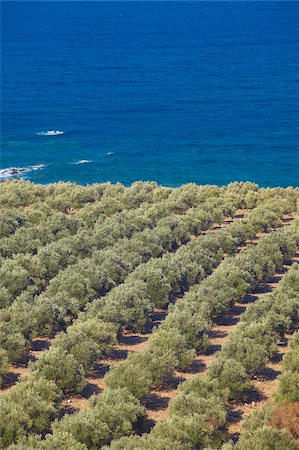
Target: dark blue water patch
167 91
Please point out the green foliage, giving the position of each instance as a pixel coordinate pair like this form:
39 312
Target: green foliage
190 432
231 375
257 419
11 220
4 366
205 387
288 381
60 440
251 345
110 416
171 341
29 407
87 341
191 321
11 340
166 350
94 260
14 421
211 409
157 284
294 342
127 305
145 442
131 375
266 438
62 368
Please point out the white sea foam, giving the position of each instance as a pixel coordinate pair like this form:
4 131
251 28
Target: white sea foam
50 133
83 161
19 171
110 153
37 166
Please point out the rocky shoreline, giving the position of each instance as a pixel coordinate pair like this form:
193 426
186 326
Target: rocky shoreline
14 171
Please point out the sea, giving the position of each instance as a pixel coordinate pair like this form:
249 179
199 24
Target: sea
168 91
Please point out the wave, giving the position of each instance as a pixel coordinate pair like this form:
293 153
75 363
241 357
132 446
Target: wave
50 133
19 171
82 161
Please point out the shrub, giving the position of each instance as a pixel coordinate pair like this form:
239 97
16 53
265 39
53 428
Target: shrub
172 341
58 441
257 419
110 416
62 368
192 323
294 343
291 360
4 366
190 432
288 381
38 398
159 363
211 409
251 345
14 422
28 407
205 387
12 340
231 375
87 341
131 375
288 386
157 285
266 438
127 305
10 221
145 442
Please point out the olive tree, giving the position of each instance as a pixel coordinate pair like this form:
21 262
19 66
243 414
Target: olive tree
110 416
87 341
4 366
62 368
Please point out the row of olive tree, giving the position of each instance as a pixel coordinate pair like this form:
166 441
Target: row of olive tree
248 351
80 242
130 304
62 196
98 201
275 426
71 343
27 412
167 350
26 231
198 414
35 272
192 317
75 286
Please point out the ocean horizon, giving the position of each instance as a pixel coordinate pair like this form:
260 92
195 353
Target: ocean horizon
172 92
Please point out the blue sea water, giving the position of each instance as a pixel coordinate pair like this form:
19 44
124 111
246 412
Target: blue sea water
167 91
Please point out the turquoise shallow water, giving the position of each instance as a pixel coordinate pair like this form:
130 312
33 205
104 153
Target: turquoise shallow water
166 91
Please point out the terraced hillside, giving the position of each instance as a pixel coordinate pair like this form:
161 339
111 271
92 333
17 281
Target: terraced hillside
147 317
